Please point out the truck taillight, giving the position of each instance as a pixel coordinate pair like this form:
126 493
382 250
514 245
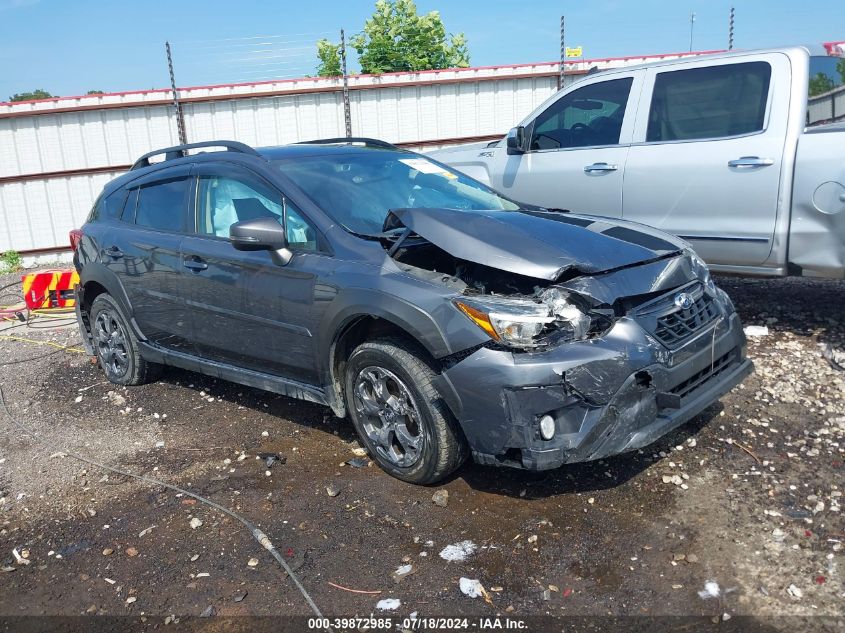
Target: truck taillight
75 238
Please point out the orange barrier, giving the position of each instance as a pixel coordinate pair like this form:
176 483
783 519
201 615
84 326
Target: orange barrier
50 289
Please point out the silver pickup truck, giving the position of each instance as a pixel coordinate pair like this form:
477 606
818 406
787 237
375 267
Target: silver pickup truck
726 151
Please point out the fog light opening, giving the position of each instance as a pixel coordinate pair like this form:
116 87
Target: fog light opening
547 427
643 379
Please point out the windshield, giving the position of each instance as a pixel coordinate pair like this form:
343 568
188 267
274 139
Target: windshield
358 189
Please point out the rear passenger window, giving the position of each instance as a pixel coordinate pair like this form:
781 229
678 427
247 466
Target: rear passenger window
113 204
110 206
162 205
711 102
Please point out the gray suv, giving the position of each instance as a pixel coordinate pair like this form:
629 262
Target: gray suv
441 317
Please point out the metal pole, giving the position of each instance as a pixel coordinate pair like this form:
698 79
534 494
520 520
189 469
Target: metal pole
691 25
180 119
731 31
347 115
562 55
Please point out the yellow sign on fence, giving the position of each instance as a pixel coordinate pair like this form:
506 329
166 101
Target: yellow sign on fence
578 51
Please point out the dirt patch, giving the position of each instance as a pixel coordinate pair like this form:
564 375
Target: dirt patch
746 496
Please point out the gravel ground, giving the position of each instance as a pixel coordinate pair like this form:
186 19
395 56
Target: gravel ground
738 513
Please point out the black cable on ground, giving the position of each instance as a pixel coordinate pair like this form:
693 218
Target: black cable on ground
257 534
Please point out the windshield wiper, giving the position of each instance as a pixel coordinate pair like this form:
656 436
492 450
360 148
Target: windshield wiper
555 210
401 238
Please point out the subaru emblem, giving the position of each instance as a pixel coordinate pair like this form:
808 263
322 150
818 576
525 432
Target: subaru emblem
684 301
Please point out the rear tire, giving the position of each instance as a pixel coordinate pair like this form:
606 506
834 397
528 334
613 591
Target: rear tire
399 415
117 346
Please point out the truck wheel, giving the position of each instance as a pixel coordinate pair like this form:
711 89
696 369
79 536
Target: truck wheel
398 414
117 347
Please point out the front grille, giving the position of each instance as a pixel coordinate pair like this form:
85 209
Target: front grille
676 327
672 325
692 383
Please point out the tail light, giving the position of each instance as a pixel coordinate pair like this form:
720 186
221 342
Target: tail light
75 239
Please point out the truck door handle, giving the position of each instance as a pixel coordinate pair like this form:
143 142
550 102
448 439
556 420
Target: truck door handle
194 263
114 252
600 167
751 161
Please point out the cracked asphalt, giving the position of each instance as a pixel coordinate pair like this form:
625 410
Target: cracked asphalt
736 516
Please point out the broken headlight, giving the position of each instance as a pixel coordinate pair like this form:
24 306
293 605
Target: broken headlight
523 322
568 316
515 322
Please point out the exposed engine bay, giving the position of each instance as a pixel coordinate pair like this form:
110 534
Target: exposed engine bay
531 280
553 314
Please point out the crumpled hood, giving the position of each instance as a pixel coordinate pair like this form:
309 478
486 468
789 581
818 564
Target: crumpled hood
539 244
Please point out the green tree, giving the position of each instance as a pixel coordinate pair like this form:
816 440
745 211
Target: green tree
329 56
95 92
31 96
396 38
840 68
820 83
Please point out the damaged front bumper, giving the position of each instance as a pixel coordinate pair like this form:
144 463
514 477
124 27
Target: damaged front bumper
607 396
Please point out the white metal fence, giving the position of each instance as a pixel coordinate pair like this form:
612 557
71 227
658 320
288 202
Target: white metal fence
55 155
827 107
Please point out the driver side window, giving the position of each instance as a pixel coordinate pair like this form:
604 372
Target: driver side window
222 201
586 117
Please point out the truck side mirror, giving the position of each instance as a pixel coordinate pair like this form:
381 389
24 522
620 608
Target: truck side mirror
516 140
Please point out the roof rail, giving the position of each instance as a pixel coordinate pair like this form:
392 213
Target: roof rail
368 142
180 151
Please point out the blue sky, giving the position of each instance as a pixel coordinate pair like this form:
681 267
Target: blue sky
69 47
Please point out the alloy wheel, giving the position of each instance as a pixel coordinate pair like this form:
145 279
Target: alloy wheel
112 345
389 416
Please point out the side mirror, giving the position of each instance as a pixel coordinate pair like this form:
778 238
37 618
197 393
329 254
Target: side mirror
261 234
516 140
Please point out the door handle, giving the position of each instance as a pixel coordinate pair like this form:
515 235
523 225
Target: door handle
751 161
114 252
600 167
195 264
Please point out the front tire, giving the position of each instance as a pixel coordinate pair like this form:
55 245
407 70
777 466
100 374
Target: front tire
116 345
399 415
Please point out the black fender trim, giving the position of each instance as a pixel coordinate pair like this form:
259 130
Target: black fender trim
96 272
353 304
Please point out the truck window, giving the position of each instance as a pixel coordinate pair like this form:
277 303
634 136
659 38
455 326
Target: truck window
709 102
826 94
586 117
